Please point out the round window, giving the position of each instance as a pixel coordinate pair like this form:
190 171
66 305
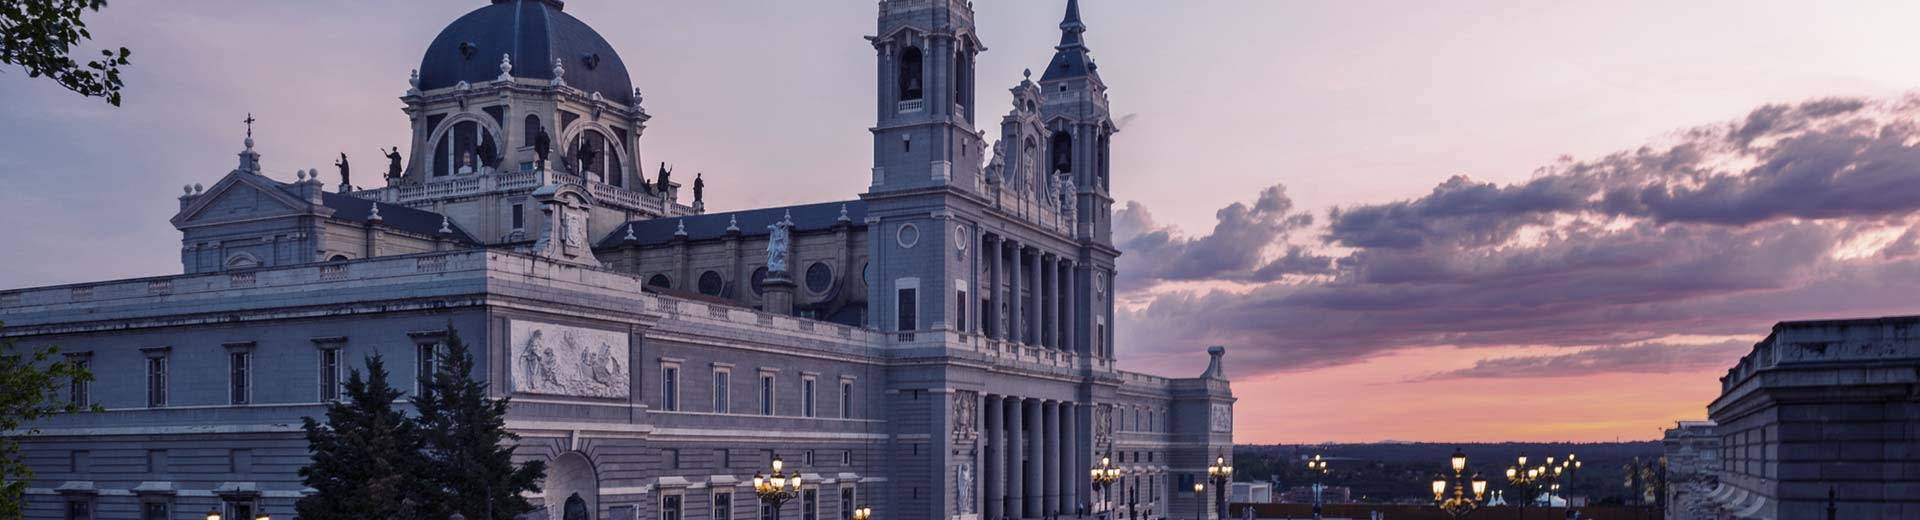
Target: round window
960 237
819 277
909 235
759 277
711 284
660 281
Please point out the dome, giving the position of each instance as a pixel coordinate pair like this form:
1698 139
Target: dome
534 32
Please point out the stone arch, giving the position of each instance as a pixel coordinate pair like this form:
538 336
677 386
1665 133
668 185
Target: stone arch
912 68
568 475
579 128
486 124
241 260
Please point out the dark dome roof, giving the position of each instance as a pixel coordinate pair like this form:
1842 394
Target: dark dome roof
534 32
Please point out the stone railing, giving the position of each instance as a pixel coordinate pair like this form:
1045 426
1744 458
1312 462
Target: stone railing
267 278
460 186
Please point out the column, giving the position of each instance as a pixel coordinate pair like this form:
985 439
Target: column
1050 310
1050 416
1036 460
996 249
1072 321
1015 319
1071 474
1016 490
995 494
1033 314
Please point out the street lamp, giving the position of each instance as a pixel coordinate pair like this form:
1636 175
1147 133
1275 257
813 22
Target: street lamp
1104 476
863 513
1459 505
1221 474
213 514
1319 468
1200 497
1525 479
776 490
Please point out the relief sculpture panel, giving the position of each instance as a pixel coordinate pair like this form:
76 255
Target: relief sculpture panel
570 361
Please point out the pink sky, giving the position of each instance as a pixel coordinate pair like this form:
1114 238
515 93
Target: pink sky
1599 295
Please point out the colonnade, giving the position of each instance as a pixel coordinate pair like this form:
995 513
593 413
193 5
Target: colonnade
1036 463
1031 295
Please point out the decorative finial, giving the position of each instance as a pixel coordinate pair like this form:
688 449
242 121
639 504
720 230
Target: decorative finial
249 121
843 214
733 223
186 189
197 188
1026 73
301 175
788 219
506 67
630 236
446 226
559 72
414 80
375 215
636 96
682 231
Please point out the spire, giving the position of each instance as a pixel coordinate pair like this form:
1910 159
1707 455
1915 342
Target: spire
1071 26
1070 57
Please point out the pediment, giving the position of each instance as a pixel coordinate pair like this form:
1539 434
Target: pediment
241 196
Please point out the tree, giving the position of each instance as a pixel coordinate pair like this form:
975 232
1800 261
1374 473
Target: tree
29 390
364 456
469 458
39 34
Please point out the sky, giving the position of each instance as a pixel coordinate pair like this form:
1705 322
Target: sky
1460 221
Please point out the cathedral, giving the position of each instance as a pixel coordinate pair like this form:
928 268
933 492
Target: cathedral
940 346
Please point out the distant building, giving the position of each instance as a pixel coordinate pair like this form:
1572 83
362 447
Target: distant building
1251 493
1822 406
1328 495
1692 453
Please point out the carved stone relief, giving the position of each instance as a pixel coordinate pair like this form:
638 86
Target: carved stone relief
571 361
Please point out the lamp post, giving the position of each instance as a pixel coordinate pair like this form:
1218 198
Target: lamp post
1523 477
1200 497
213 514
776 490
1221 475
863 513
1318 467
1104 476
1459 505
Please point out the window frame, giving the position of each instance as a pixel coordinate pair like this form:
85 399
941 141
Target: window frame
424 368
158 375
80 391
809 386
722 389
769 393
846 398
670 386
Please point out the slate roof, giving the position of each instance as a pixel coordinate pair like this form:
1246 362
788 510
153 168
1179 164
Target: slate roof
753 222
1071 59
534 32
399 217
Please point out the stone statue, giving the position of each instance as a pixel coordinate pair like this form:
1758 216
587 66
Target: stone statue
699 188
542 145
777 245
997 163
586 155
393 162
666 177
488 156
345 180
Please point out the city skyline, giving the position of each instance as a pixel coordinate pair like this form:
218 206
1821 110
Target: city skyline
1537 298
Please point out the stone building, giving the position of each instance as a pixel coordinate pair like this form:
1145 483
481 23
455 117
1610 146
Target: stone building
1818 407
940 346
1692 454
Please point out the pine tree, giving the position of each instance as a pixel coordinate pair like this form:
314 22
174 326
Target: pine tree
365 457
469 452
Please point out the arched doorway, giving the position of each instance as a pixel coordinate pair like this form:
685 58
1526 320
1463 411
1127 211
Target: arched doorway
576 509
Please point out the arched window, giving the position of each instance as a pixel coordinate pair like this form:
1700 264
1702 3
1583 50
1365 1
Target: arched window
962 74
660 281
242 261
338 258
910 71
533 129
460 147
605 165
576 509
1062 152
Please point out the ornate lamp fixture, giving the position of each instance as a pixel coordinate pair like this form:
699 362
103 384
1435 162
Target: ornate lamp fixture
1460 504
777 489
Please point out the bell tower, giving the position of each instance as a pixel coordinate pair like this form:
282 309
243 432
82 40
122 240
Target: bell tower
924 134
1081 127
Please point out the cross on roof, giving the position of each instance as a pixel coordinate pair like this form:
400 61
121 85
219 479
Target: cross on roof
249 121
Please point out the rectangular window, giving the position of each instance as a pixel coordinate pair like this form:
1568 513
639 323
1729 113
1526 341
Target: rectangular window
425 360
239 510
722 381
722 504
766 511
806 458
806 397
846 503
907 307
846 457
670 507
960 310
766 394
723 458
810 505
240 372
157 381
330 374
79 509
519 217
846 399
78 390
670 388
671 456
154 511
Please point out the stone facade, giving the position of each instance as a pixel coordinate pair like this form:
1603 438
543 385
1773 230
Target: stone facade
1692 454
1822 406
940 347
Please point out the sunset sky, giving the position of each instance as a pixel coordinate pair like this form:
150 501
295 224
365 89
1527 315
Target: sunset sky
1460 221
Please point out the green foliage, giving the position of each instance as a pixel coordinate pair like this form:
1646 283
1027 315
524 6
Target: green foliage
39 35
365 456
30 384
465 439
